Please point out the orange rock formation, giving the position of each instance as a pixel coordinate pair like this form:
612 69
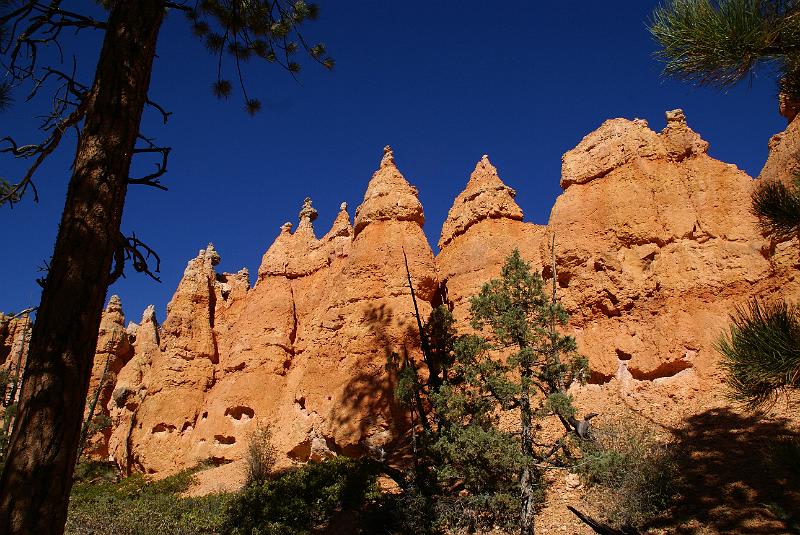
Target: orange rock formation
654 247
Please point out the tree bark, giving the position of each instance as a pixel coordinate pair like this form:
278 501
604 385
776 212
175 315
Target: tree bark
527 478
36 482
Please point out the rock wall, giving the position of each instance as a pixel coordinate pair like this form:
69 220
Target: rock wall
654 247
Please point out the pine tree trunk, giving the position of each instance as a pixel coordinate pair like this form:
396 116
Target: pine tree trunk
36 482
527 478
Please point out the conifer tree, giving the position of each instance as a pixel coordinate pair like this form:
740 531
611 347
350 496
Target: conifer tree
523 367
90 251
542 362
722 42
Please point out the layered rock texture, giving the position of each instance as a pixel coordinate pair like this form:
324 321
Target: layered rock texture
654 247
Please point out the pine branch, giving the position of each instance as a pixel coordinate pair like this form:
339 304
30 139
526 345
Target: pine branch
761 353
721 43
778 208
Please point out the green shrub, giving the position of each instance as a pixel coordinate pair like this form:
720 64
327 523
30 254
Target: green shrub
136 506
302 499
636 472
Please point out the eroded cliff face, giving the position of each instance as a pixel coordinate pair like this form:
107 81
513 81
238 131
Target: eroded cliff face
654 247
304 350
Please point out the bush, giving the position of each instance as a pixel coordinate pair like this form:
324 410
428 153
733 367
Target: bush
635 471
136 506
299 500
261 455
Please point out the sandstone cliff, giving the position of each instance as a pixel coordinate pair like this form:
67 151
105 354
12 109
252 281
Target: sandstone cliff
654 247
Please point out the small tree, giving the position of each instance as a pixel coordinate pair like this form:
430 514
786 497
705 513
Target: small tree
541 363
479 473
261 455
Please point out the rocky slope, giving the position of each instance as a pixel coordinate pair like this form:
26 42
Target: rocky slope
654 247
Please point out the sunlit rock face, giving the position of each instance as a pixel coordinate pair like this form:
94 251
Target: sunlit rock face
653 243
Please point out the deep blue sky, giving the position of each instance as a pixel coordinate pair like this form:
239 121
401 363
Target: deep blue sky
442 82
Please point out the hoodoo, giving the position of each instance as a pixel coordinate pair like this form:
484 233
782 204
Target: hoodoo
654 247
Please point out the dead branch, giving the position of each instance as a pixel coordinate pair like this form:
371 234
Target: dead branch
152 179
133 249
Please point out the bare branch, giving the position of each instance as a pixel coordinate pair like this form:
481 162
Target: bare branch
161 168
41 152
164 113
131 248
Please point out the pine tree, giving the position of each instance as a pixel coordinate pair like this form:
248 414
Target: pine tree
524 366
762 353
777 207
90 251
523 320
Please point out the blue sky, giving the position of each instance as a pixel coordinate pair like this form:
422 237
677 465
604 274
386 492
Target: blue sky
442 82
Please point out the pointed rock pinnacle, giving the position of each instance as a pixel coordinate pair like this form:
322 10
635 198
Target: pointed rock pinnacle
307 214
388 197
211 254
485 197
114 304
388 156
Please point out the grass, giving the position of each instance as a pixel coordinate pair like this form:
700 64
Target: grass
102 505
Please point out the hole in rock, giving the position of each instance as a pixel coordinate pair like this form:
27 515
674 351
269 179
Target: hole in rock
301 403
224 440
648 258
622 355
301 452
204 416
597 378
187 426
287 364
354 451
163 428
219 461
240 413
667 369
239 367
563 279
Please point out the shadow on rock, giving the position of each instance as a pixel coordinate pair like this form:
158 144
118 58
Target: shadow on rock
368 402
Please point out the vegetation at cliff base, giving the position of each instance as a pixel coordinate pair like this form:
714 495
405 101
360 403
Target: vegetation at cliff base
476 416
631 472
101 504
293 502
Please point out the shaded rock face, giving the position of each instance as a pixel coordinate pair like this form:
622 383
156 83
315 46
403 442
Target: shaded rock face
654 247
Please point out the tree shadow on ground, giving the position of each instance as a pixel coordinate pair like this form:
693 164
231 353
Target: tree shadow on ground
733 479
